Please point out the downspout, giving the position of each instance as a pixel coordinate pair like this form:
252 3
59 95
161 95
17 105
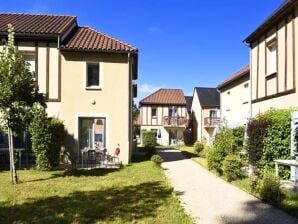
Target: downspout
129 108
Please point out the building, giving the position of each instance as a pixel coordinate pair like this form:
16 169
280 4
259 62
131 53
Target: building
86 75
164 111
205 114
274 62
235 99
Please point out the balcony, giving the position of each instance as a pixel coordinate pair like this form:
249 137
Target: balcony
211 122
174 121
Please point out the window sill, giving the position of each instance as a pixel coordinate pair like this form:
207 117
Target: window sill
93 88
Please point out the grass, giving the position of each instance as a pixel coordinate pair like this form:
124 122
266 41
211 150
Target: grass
289 204
138 193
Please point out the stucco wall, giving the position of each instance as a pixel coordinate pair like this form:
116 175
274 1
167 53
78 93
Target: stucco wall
235 103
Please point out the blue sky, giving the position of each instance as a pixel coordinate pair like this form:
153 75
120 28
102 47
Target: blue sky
182 43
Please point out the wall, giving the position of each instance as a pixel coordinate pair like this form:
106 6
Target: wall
235 103
279 90
197 116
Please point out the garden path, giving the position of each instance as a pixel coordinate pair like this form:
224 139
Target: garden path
210 199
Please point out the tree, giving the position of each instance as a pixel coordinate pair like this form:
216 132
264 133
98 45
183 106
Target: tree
17 94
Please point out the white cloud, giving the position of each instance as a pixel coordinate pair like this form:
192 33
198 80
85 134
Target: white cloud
154 30
147 88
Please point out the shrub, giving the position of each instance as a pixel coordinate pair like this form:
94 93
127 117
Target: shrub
157 160
199 147
215 157
40 137
256 131
269 187
277 142
149 138
58 134
232 167
187 136
238 134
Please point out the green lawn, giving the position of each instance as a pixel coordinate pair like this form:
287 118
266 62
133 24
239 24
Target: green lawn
289 204
138 193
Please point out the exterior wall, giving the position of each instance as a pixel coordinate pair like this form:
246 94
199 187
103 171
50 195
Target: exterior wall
148 122
235 103
62 77
277 90
208 133
196 110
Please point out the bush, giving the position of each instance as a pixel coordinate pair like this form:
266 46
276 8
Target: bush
232 167
149 139
157 160
40 137
198 147
215 156
187 136
58 134
238 134
269 187
256 130
277 142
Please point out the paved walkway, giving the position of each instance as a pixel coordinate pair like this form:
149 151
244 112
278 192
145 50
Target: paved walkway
211 200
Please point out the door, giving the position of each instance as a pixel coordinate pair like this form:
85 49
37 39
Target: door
92 132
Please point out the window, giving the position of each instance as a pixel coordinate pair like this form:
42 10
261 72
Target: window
30 59
153 112
271 57
92 75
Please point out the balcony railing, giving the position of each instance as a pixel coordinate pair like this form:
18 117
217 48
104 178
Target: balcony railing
211 121
174 121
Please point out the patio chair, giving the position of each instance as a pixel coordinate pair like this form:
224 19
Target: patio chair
115 158
91 157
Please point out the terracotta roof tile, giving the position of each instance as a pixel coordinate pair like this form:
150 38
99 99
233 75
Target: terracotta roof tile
36 24
165 97
86 38
237 75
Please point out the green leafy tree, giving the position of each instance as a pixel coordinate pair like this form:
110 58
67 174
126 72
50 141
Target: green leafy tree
17 94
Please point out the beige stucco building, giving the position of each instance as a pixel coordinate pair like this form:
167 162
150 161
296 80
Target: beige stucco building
205 114
86 75
235 99
165 112
274 60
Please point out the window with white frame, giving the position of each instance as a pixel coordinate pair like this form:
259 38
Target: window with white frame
153 112
271 57
93 75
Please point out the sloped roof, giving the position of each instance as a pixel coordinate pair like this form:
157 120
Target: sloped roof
278 14
86 38
165 97
74 36
188 100
36 24
209 97
245 71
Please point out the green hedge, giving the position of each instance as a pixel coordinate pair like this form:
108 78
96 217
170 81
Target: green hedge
149 138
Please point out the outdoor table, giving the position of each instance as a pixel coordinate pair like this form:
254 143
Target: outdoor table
18 150
85 150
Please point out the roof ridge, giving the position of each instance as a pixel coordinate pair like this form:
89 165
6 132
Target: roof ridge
35 14
108 36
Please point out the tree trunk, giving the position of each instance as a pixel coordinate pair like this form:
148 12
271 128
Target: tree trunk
13 172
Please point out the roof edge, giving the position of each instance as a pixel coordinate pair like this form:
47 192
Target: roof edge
228 82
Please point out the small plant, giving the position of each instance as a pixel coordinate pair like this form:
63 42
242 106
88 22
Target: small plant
232 167
269 187
157 160
198 147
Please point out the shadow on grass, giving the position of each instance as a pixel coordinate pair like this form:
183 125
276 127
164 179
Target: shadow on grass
121 205
77 173
256 211
139 158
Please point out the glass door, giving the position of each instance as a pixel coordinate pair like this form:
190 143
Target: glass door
91 132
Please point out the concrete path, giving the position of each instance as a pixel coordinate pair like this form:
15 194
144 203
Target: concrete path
209 199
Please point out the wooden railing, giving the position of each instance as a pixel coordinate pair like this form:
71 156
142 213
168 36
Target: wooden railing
174 121
211 121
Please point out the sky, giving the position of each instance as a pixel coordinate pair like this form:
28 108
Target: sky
182 43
